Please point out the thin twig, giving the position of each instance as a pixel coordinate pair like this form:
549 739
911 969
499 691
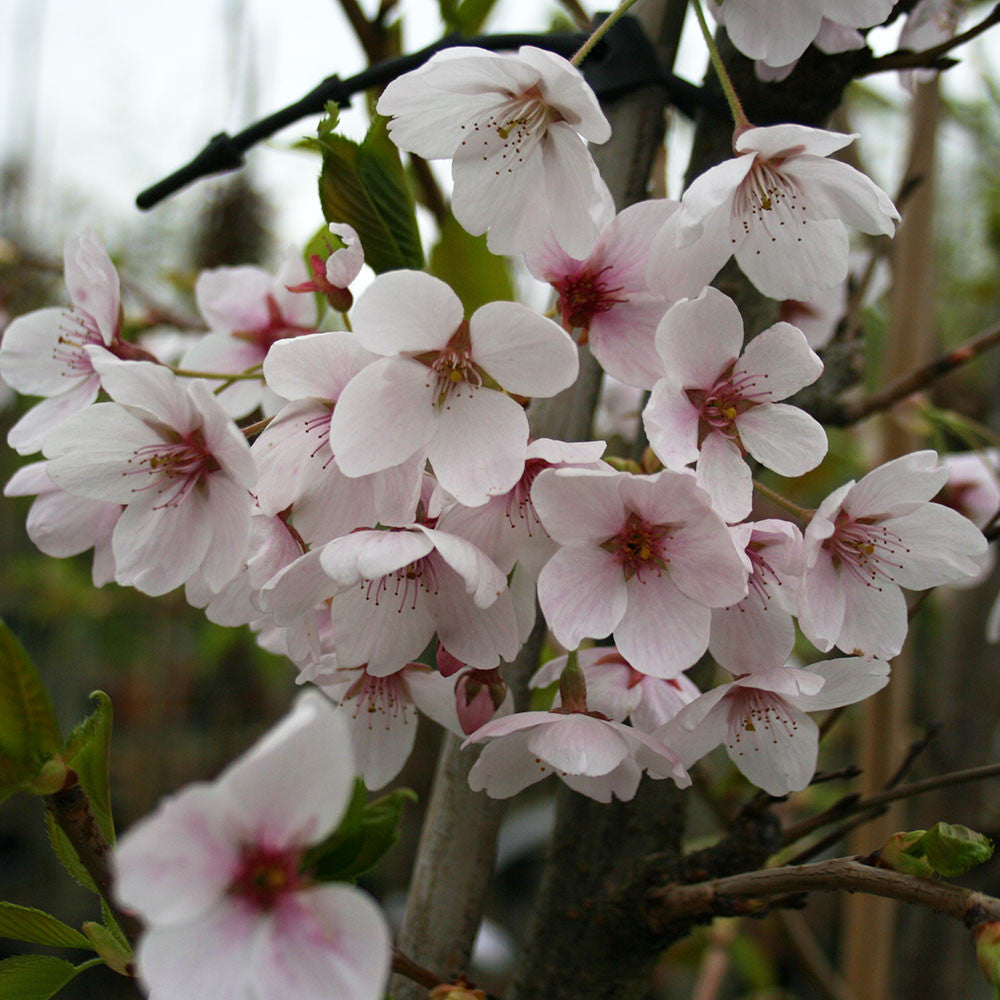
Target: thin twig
931 731
742 893
367 34
834 837
933 57
580 17
812 956
920 377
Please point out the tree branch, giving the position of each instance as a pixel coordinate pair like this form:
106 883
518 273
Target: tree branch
744 893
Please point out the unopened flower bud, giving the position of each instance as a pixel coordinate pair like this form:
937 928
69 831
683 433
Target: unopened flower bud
572 686
478 694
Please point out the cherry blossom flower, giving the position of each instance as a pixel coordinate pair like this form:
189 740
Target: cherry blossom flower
780 207
297 467
758 633
714 405
832 38
44 353
594 756
514 127
248 311
871 538
761 718
216 876
928 24
616 689
778 33
438 385
62 525
644 557
382 712
606 295
172 456
333 276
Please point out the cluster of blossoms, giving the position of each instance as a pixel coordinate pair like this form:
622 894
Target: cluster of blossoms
393 511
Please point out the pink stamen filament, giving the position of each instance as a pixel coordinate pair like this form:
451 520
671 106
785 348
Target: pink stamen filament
178 465
73 338
640 547
453 369
388 695
582 296
767 197
753 709
869 552
520 496
405 584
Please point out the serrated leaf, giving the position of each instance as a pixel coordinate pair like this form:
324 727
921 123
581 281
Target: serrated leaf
87 750
363 184
463 262
116 955
29 733
379 832
36 977
24 923
113 926
64 851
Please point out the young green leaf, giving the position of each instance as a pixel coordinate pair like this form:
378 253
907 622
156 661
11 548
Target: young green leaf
37 977
476 275
66 854
116 954
23 923
953 850
86 751
29 733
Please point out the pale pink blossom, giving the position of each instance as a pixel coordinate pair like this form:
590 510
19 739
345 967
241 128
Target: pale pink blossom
44 353
168 452
441 385
643 557
514 127
928 24
62 525
333 276
780 206
594 756
832 38
606 296
869 539
216 875
715 405
758 633
382 712
761 717
248 310
973 489
777 32
619 691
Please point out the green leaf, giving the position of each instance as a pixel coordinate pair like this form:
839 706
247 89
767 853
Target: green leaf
36 977
465 16
23 923
904 852
364 185
361 840
116 954
29 733
86 751
952 849
113 927
66 854
476 275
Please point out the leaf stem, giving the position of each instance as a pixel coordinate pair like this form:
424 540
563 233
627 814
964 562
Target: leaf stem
800 512
740 120
602 29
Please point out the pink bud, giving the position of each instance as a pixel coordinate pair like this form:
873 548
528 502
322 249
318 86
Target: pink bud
478 694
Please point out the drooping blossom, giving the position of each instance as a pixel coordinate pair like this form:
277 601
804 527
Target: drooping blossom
831 39
869 539
928 24
44 353
169 453
778 33
758 633
606 296
644 557
248 310
761 718
714 405
382 712
333 276
616 689
779 207
438 385
594 756
298 473
392 591
514 127
62 525
216 875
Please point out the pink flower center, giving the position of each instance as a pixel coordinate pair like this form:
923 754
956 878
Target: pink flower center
751 710
387 696
730 396
640 547
768 199
266 874
76 331
404 585
582 296
762 576
173 467
277 328
509 132
868 551
519 505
